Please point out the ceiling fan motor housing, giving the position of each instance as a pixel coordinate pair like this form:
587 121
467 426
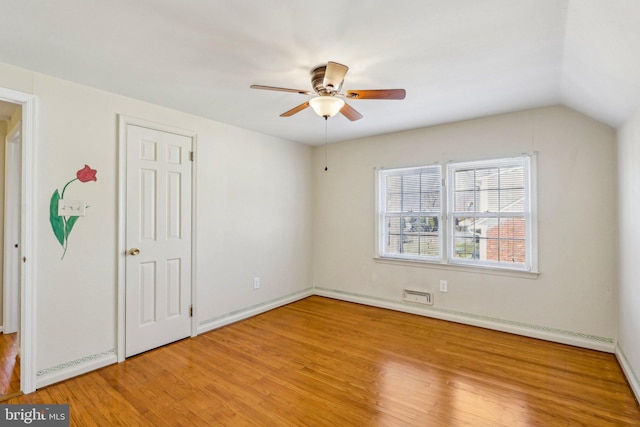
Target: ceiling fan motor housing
317 82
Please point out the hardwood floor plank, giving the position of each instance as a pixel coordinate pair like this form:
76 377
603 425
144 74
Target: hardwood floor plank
322 362
9 364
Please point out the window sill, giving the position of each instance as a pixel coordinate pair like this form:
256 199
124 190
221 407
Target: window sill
457 267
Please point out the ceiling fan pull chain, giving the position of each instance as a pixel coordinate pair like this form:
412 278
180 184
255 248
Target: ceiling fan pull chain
326 119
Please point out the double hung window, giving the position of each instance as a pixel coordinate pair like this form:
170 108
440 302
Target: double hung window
480 215
411 213
488 213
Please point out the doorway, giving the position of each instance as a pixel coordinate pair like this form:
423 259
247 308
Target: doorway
19 262
10 207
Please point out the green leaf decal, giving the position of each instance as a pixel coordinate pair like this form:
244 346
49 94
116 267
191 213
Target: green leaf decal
71 221
56 220
62 225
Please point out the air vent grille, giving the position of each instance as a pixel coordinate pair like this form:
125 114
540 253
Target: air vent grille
420 297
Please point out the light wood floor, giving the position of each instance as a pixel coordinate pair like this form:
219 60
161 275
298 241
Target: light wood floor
9 365
321 362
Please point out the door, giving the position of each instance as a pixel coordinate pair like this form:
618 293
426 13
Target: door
158 238
12 214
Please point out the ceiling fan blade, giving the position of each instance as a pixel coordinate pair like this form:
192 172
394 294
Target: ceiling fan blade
350 113
282 89
376 94
295 110
334 75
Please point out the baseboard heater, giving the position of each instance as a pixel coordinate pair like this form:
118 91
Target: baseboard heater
417 296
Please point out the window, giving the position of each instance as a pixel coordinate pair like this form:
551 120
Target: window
488 214
411 204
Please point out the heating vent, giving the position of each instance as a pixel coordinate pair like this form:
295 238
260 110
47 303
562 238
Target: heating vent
420 297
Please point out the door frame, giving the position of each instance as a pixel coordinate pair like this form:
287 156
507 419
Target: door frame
11 257
123 122
27 329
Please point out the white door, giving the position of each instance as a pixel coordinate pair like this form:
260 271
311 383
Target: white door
158 238
12 215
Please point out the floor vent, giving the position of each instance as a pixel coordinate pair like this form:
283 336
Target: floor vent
420 297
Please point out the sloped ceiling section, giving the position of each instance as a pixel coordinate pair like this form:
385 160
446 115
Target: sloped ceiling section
601 65
457 59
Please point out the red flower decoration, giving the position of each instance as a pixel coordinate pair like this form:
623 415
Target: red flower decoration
87 174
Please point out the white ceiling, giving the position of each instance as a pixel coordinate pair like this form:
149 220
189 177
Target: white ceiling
457 59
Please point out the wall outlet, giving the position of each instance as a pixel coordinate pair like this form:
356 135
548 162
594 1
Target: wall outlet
256 283
443 286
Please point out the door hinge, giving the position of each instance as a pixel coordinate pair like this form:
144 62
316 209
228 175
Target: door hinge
191 156
191 311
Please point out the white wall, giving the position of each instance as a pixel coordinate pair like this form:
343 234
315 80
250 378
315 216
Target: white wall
573 298
253 207
629 286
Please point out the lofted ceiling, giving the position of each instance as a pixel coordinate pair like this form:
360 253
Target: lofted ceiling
457 59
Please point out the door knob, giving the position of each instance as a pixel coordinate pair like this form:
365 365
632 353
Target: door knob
134 251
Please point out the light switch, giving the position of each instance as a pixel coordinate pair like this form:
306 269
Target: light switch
72 207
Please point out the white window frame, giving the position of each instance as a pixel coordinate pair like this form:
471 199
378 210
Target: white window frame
446 216
382 213
527 214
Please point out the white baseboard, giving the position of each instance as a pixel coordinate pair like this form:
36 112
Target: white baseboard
632 378
90 363
81 366
235 316
533 331
74 368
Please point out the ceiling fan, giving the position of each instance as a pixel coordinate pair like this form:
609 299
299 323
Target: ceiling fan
327 81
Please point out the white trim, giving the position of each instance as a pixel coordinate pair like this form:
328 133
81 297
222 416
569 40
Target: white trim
446 215
245 313
533 209
27 239
524 160
459 267
28 294
629 373
123 122
120 256
75 368
377 197
382 212
90 363
532 331
194 235
78 367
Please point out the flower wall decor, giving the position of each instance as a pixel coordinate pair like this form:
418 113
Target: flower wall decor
62 225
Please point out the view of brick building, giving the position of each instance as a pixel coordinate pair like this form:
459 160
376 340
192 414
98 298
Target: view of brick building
505 242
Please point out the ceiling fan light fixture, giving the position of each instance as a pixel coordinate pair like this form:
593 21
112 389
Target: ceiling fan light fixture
326 106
